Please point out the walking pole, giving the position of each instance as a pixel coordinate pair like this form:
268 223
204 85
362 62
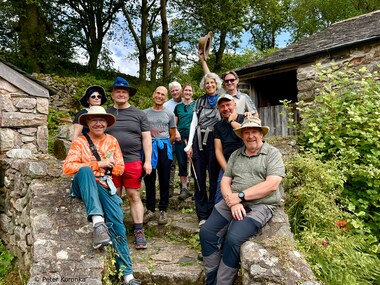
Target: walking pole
195 175
188 168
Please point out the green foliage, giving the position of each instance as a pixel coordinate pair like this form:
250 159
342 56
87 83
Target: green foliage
338 249
346 130
5 262
110 274
310 16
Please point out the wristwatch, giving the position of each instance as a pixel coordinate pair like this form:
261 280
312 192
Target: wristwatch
241 195
230 122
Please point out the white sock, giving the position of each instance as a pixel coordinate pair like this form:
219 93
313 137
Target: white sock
97 219
128 277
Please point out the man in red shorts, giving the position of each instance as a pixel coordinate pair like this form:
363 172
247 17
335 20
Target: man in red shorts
132 130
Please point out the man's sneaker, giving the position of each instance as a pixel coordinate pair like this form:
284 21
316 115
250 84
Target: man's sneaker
100 235
134 281
184 194
140 240
163 218
149 216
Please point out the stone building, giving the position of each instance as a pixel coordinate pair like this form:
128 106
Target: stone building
289 73
24 107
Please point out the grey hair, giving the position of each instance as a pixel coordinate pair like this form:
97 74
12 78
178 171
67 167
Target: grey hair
212 76
174 84
230 72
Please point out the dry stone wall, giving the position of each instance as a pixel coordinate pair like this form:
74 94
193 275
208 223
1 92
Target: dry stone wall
367 56
23 120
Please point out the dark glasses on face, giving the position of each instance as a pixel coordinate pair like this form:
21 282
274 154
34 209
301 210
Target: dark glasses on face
96 96
229 80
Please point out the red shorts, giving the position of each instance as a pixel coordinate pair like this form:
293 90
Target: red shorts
131 178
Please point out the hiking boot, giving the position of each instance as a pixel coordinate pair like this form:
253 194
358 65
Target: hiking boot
149 216
100 235
163 218
184 194
140 240
134 281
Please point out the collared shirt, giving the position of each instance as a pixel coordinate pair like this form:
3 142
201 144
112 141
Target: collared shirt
244 103
247 171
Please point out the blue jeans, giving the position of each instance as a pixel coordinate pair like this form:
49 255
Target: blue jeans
98 201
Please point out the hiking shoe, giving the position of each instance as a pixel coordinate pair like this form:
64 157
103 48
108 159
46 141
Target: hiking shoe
100 235
134 281
163 218
140 240
184 194
149 216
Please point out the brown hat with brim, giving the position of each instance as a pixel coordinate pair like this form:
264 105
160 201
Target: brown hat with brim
204 44
97 111
251 122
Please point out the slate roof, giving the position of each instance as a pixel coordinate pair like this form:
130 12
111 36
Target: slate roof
22 72
348 33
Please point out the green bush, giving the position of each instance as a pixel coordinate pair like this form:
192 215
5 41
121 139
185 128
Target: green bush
338 248
342 124
5 262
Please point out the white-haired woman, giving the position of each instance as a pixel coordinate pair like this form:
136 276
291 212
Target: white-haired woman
200 146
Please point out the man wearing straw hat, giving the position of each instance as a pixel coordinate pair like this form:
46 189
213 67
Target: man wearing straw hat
92 160
250 188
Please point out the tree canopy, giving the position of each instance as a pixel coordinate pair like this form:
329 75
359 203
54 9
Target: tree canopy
45 36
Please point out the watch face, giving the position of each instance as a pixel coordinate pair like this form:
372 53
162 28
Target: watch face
241 195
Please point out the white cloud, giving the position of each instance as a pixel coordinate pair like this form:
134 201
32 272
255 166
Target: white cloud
121 61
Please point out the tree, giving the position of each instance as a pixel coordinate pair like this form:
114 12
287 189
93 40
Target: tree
165 41
310 16
223 17
268 18
142 24
31 36
94 18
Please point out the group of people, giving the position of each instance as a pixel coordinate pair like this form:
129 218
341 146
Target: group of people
220 134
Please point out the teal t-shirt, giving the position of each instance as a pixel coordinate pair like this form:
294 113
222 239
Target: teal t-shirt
184 113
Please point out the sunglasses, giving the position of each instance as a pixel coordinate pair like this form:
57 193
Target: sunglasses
229 80
96 96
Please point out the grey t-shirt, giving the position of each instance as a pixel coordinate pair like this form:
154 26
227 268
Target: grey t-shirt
162 121
247 171
129 125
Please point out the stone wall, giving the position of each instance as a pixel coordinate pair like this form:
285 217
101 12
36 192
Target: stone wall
23 120
367 56
20 174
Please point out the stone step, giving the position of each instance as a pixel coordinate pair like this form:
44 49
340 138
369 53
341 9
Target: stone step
173 249
62 251
63 254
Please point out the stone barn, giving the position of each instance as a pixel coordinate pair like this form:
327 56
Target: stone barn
24 108
289 73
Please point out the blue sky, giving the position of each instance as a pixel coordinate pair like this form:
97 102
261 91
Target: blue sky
124 64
